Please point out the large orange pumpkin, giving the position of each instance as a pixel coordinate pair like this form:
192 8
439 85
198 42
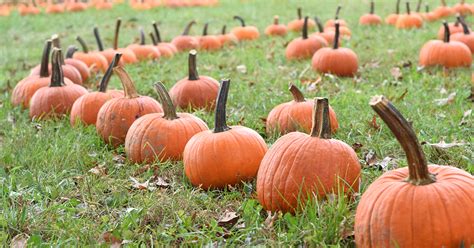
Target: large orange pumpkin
297 25
224 156
117 115
161 136
419 206
276 29
465 37
392 18
305 46
245 32
371 18
300 166
186 42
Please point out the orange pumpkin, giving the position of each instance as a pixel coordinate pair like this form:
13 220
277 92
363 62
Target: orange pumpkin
462 8
297 25
161 136
57 99
409 20
75 6
443 11
28 8
166 49
465 37
305 46
371 18
295 115
328 60
54 8
428 16
85 108
5 10
245 32
128 56
186 42
454 28
227 38
209 42
300 166
78 64
331 23
224 156
143 51
447 53
276 29
184 92
117 115
328 36
392 18
419 206
103 5
94 60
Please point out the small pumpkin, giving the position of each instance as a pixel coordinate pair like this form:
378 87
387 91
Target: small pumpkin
392 18
224 156
209 42
462 8
128 56
465 37
245 32
28 8
94 60
276 29
305 46
227 38
433 203
428 16
75 6
443 11
57 99
447 53
117 115
327 35
295 115
166 49
409 20
103 5
336 60
186 42
195 91
85 108
297 25
54 8
371 18
161 136
331 23
143 51
300 166
78 64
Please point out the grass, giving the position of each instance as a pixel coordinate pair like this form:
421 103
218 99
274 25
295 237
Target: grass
48 193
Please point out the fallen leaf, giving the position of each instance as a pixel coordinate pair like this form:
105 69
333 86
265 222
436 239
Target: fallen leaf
270 220
388 163
99 170
370 158
141 186
356 146
443 91
228 219
242 69
396 73
407 64
119 159
19 241
373 123
464 117
444 145
161 183
446 101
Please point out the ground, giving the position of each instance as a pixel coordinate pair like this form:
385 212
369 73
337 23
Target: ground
49 194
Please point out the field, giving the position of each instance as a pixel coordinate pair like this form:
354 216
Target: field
50 194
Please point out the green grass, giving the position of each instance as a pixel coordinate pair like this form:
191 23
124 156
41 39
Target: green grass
48 193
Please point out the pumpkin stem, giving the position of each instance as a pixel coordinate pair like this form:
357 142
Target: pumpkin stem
192 68
153 39
319 24
100 45
81 41
299 12
456 23
418 6
446 32
44 70
57 78
443 3
427 8
224 29
305 28
372 7
408 8
276 20
204 30
142 36
57 44
104 82
297 94
157 32
336 36
169 109
118 23
397 7
465 28
220 119
338 10
70 52
321 124
127 83
417 164
188 27
241 20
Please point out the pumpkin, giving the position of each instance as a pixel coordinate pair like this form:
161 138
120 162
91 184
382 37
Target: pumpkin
331 23
141 5
392 18
276 29
245 32
336 60
85 108
128 56
209 42
462 8
419 206
443 11
300 166
445 53
117 115
185 42
454 28
161 136
297 25
227 38
428 16
305 46
224 156
328 36
371 18
409 20
166 49
80 66
94 60
57 99
143 51
465 37
5 10
103 5
54 8
295 115
28 8
75 6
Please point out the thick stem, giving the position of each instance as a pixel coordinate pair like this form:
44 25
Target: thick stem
458 20
297 94
85 49
241 20
427 8
57 77
408 8
338 10
153 39
299 12
397 8
70 51
224 29
276 20
169 110
127 83
321 123
192 68
142 37
305 28
157 32
44 70
418 6
117 31
100 45
336 36
372 7
57 44
204 30
319 24
443 3
188 27
447 33
104 82
401 128
465 28
220 118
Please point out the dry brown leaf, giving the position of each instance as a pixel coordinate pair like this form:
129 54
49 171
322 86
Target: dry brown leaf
20 241
99 170
443 145
161 183
464 117
118 159
356 146
270 220
446 101
370 158
141 186
228 219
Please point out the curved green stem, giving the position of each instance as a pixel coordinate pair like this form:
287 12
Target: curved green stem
408 8
104 82
204 30
397 7
220 118
100 45
224 29
418 6
321 123
427 8
372 7
465 28
44 70
338 10
169 109
192 68
241 20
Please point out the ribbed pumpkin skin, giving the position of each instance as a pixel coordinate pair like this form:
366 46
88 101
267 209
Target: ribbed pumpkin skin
370 19
25 89
467 39
210 43
328 36
298 165
394 213
345 31
409 21
86 107
185 43
328 60
53 102
152 137
226 39
295 116
93 60
215 160
246 33
69 72
301 48
81 67
391 19
196 94
117 115
449 55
